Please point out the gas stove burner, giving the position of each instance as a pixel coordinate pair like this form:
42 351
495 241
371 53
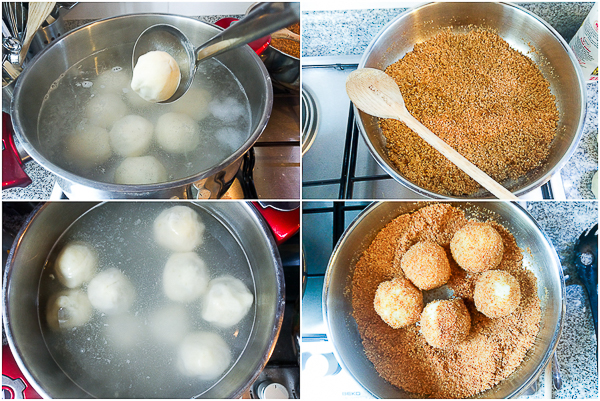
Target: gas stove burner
310 118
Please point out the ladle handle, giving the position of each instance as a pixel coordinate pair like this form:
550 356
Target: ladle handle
263 20
459 160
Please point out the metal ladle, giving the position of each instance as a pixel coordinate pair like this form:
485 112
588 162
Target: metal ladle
264 19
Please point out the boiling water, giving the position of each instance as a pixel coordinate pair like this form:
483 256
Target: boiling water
124 359
223 130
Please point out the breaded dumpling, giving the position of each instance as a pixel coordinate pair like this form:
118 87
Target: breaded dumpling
497 294
445 323
477 247
398 302
426 265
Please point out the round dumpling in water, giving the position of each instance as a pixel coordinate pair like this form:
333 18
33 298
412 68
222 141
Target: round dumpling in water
124 331
112 81
179 229
76 264
88 147
104 109
227 301
131 136
194 103
170 324
203 354
228 110
140 170
185 277
177 133
68 309
111 292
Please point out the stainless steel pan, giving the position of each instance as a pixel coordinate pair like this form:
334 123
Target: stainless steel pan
520 29
63 53
541 258
26 262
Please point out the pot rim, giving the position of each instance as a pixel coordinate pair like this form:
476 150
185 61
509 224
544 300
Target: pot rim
516 208
530 187
278 310
146 188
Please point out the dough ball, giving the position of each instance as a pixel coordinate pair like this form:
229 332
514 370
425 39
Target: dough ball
426 265
156 76
131 136
88 147
205 355
497 294
140 170
194 103
231 138
124 331
227 301
76 264
177 133
477 247
179 229
104 109
68 309
398 302
134 100
228 110
111 292
185 277
170 324
112 81
445 323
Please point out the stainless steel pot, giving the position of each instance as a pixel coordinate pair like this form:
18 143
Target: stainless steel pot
48 65
540 258
26 262
520 29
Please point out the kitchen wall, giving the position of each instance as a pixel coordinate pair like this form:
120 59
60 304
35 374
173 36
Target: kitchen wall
85 10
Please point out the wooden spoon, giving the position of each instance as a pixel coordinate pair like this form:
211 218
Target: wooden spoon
376 93
286 34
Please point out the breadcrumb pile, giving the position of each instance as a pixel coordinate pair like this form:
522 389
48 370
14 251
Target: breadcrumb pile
486 100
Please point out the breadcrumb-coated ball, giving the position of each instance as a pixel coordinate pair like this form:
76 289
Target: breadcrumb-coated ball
426 265
445 323
497 294
398 302
477 247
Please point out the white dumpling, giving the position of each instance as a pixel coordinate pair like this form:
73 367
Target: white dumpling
135 100
177 133
111 292
203 354
194 103
226 302
112 81
156 76
185 277
131 136
179 229
228 110
104 109
231 138
170 324
124 331
76 264
68 309
88 147
140 170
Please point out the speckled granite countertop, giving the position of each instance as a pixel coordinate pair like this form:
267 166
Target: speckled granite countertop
564 222
353 30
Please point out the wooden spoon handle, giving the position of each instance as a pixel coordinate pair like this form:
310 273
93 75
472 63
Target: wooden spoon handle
459 160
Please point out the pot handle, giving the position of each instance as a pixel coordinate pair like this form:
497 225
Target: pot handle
14 384
13 174
283 223
258 45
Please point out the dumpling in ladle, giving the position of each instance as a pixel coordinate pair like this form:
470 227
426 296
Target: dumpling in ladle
156 76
